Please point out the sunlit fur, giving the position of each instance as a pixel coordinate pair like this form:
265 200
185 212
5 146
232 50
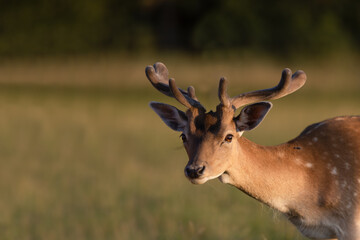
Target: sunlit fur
314 179
320 203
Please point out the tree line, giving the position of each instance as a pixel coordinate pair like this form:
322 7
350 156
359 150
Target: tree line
44 27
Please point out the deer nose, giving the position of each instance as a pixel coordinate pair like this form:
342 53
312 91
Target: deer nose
194 171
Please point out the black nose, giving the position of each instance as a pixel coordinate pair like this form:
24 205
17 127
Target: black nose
194 171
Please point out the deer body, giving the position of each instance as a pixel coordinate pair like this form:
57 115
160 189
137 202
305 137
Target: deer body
313 179
315 186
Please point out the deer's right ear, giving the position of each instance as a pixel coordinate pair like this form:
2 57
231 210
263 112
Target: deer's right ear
171 116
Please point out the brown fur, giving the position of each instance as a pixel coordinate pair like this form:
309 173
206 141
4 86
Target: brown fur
314 179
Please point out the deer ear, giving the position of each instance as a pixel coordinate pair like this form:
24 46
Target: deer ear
173 117
251 116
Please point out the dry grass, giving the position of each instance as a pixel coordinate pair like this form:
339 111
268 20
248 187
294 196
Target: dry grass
82 163
336 73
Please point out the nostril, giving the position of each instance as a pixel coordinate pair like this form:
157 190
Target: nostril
190 172
187 171
201 170
194 172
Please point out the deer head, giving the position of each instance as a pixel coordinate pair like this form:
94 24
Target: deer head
213 139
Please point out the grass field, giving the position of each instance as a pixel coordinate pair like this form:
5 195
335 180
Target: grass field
83 157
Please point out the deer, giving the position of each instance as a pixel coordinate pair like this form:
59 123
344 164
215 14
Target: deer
313 179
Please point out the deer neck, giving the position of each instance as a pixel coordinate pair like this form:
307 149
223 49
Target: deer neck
268 174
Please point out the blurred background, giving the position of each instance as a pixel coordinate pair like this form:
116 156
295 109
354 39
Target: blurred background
82 156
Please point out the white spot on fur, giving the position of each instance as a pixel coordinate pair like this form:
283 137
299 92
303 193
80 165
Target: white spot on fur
347 166
339 118
355 194
349 205
315 139
337 155
308 165
328 165
334 171
298 161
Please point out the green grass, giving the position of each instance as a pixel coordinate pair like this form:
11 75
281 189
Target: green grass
87 159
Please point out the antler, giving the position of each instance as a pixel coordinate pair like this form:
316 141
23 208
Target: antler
288 84
158 75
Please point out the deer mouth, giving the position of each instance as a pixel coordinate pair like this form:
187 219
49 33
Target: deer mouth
203 179
198 181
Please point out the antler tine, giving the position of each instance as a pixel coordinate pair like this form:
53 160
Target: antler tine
177 94
158 76
223 96
288 84
191 92
186 100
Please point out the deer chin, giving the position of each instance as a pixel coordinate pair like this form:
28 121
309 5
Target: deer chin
204 179
198 181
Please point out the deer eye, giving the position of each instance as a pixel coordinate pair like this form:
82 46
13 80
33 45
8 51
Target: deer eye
229 138
183 137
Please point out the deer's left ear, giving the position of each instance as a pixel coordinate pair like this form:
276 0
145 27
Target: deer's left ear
251 116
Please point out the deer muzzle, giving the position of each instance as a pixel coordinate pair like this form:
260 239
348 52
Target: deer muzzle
194 172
